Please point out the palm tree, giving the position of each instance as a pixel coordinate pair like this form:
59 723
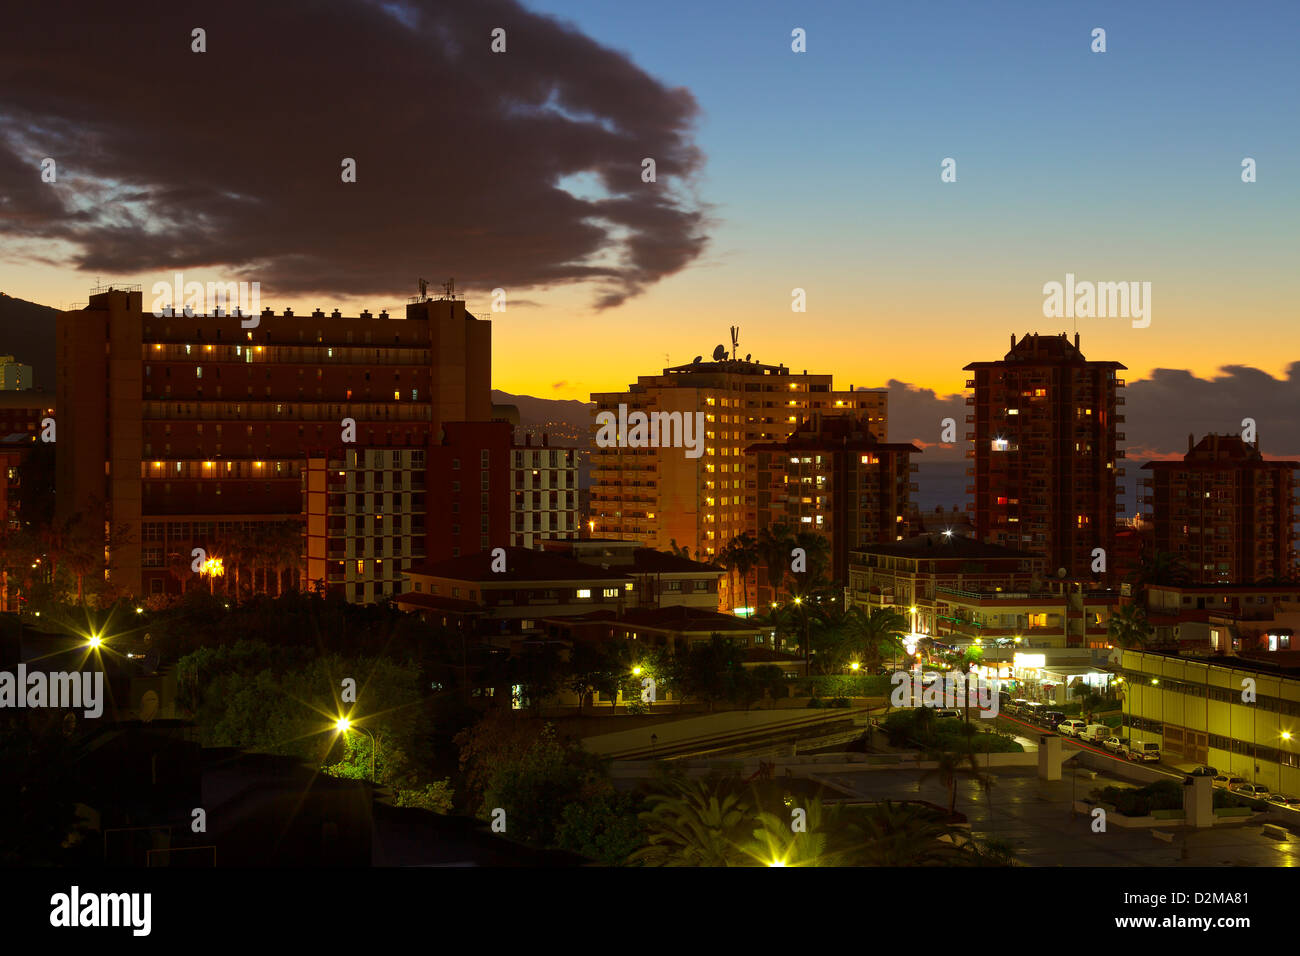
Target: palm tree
824 840
903 835
881 631
950 764
741 556
1159 567
1128 626
696 823
817 550
775 543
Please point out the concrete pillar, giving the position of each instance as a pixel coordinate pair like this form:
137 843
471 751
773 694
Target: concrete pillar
1049 757
1198 801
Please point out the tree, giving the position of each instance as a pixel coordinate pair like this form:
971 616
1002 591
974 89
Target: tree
696 823
817 552
881 632
538 672
536 785
775 543
1128 626
741 556
605 829
907 835
593 668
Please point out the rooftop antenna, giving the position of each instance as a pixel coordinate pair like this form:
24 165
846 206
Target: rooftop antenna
735 341
424 290
449 289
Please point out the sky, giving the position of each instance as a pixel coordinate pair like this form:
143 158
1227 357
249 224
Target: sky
775 170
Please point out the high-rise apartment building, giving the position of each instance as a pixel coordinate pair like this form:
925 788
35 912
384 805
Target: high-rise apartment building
365 520
1046 457
544 494
661 495
178 428
835 477
1226 511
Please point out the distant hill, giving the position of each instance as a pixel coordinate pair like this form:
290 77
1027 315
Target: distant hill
567 421
27 333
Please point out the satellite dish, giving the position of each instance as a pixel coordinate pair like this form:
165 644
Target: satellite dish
148 706
697 360
746 358
1060 573
720 353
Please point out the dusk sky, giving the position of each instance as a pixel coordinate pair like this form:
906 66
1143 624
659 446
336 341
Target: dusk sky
776 170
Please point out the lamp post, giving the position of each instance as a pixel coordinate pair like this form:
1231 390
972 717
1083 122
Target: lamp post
343 725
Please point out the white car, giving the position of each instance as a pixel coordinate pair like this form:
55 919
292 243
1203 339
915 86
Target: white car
1070 728
1113 744
1257 790
1142 750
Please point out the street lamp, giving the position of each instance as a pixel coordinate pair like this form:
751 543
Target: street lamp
343 725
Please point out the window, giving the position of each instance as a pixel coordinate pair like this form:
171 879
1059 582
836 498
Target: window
584 592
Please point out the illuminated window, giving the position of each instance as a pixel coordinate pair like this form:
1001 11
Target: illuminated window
584 592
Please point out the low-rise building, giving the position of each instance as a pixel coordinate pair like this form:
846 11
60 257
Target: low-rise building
906 575
1197 710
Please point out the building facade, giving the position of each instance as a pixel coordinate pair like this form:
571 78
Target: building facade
833 476
1225 511
177 427
1046 455
662 496
906 576
543 494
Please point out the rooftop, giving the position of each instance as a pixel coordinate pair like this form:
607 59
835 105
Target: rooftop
941 545
521 564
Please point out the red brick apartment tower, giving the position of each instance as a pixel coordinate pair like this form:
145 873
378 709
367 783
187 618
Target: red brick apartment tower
1228 513
1045 452
834 476
187 428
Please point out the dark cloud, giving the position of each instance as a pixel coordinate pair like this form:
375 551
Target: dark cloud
170 159
1162 410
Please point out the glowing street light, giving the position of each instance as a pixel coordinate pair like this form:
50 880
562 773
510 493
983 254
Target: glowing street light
94 641
636 671
854 666
343 725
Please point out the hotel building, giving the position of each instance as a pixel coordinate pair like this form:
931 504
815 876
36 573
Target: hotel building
1228 513
1045 451
184 429
659 495
835 477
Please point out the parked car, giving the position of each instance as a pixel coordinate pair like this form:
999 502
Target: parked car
1284 800
1114 744
1052 718
944 714
1070 728
1229 780
1017 706
1142 750
1095 733
1257 790
1202 771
